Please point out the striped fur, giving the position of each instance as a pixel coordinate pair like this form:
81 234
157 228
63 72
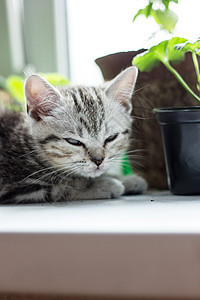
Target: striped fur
61 148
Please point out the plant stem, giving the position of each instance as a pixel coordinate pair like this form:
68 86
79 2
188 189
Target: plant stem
181 80
196 66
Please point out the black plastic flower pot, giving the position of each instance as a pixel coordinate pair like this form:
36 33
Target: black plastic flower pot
181 139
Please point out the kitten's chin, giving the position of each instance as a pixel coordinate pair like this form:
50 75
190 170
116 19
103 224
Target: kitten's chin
93 174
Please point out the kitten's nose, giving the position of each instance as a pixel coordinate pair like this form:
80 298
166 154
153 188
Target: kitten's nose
97 160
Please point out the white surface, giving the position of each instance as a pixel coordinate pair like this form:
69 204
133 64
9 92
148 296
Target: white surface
155 212
131 246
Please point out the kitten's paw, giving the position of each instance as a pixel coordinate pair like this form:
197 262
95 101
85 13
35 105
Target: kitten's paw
110 188
134 184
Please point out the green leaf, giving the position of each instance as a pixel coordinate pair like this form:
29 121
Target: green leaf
188 46
166 2
173 54
126 166
163 52
144 11
150 59
166 52
15 86
167 19
55 79
140 12
146 62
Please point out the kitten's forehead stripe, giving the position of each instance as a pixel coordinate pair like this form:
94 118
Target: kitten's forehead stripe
85 123
89 105
50 138
77 105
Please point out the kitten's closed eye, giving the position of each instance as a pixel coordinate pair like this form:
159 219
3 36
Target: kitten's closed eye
74 142
111 138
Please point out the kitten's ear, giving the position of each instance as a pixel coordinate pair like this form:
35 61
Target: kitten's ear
41 97
121 87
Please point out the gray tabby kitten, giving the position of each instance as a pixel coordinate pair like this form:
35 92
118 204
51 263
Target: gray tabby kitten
62 148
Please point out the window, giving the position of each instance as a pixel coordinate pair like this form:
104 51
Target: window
66 36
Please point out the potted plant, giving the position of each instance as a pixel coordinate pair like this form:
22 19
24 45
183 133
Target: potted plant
180 126
146 150
156 88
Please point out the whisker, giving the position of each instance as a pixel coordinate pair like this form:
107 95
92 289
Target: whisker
34 173
142 88
28 153
135 150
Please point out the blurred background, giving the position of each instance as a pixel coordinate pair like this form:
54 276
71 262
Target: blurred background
66 36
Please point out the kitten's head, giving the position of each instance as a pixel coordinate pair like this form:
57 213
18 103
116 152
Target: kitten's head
81 130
